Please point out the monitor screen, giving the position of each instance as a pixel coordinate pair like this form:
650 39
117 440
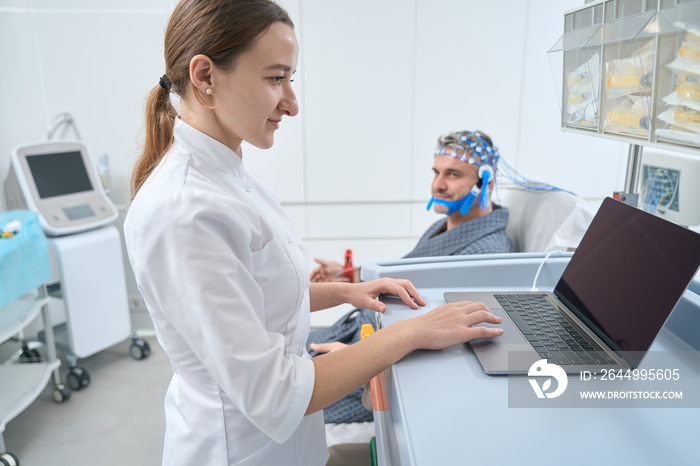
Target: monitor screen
59 174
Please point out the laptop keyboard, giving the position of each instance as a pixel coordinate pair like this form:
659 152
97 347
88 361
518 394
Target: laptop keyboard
549 332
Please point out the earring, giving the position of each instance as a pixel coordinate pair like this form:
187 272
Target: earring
208 91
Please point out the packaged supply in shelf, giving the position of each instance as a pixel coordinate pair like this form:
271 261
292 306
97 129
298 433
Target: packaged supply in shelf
579 97
686 91
673 100
583 90
630 75
688 94
680 66
682 118
689 53
690 49
687 62
628 117
687 116
689 78
682 125
586 116
631 122
629 83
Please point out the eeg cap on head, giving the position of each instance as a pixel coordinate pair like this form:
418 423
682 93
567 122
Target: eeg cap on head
473 147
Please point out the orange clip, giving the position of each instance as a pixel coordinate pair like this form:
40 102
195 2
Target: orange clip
366 331
380 398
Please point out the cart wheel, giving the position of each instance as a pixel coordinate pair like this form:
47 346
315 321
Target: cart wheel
29 355
8 459
78 378
61 393
140 349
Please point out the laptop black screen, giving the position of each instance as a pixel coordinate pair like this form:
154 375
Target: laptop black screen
627 275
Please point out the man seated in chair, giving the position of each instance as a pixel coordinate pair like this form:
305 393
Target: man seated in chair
464 162
465 166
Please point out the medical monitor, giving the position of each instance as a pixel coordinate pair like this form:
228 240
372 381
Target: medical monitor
59 181
669 186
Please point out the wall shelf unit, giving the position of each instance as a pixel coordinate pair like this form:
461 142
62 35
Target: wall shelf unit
629 70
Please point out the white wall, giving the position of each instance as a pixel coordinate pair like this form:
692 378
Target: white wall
378 81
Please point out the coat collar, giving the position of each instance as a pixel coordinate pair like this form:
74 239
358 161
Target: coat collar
208 149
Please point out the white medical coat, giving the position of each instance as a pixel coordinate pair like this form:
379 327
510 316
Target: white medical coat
225 279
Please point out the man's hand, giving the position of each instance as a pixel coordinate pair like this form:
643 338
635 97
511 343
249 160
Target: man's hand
327 271
321 348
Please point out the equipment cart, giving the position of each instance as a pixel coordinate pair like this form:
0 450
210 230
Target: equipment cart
88 300
22 382
24 269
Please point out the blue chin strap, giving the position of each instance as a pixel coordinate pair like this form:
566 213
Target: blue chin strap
464 204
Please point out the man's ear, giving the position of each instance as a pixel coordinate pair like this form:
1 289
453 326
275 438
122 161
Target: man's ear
201 68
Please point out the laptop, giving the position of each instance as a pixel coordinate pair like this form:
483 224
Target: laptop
619 288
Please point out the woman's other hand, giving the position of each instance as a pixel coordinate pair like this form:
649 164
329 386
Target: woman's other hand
451 324
364 295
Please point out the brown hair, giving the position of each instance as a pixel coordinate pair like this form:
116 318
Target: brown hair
220 29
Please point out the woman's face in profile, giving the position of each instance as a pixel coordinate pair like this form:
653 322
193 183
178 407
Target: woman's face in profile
258 92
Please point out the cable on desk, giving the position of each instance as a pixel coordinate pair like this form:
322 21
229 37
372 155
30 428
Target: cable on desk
534 282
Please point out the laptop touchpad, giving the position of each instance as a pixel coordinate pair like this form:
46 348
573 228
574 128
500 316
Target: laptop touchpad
511 334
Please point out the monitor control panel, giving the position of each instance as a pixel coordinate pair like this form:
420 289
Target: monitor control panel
58 180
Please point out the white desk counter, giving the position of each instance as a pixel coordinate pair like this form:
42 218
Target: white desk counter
444 410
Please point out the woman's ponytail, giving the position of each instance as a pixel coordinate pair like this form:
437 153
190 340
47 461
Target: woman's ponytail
160 119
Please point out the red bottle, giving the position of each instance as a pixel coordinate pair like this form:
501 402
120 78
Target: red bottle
347 268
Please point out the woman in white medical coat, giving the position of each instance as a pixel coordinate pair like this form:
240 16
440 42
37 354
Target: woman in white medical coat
222 272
